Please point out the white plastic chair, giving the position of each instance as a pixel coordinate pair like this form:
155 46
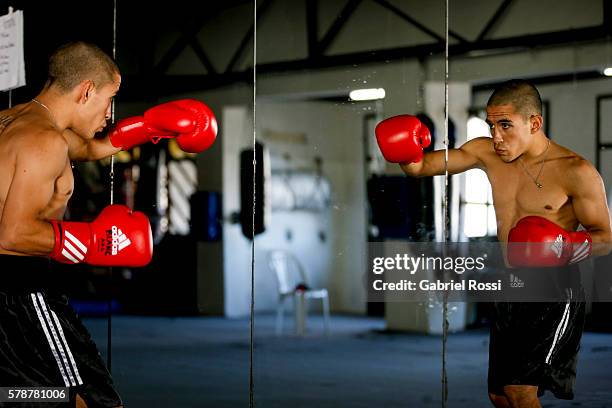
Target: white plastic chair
289 274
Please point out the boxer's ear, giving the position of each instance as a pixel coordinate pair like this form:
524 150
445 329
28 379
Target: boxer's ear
535 122
85 90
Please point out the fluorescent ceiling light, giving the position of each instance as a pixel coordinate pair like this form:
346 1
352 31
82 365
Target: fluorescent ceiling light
367 94
607 71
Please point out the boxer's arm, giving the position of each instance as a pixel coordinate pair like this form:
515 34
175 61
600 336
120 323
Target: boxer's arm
588 197
40 160
80 149
466 157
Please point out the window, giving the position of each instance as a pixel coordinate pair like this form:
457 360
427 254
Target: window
478 212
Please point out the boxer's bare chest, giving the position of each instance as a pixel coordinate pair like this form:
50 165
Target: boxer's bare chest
519 192
62 185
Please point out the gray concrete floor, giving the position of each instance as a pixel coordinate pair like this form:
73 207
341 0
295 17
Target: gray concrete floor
204 362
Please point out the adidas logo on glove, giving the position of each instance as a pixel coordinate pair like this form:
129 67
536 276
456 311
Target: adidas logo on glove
116 240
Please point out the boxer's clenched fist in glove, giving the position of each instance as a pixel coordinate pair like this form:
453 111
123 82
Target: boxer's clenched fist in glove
118 237
537 242
402 139
191 122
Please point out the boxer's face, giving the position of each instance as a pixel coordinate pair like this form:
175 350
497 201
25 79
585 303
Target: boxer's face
510 130
96 109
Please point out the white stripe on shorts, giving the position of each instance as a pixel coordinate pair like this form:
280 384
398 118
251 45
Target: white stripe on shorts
52 346
57 337
72 362
559 332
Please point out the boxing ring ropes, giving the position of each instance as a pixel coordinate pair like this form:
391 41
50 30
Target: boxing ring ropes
444 377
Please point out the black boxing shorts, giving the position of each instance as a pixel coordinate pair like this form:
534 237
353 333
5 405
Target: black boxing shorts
537 343
42 341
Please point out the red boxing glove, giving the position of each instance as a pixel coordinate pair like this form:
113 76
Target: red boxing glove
536 242
191 122
118 237
402 138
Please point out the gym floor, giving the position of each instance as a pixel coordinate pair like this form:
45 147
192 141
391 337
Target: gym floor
204 362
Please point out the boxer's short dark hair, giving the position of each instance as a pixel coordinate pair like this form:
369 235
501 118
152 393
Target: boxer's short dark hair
521 94
78 61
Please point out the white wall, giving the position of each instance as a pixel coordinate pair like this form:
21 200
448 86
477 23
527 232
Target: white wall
238 133
333 133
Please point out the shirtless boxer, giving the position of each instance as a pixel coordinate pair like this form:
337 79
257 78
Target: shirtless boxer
43 343
541 191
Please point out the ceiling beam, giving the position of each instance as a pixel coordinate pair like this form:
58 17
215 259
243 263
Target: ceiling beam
336 27
187 83
312 26
494 19
248 36
404 16
189 30
199 51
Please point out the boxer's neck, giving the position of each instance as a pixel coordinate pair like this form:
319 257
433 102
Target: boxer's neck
537 148
55 106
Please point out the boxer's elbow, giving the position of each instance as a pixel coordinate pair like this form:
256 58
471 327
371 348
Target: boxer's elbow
5 244
22 241
602 242
602 249
607 245
14 237
8 239
413 169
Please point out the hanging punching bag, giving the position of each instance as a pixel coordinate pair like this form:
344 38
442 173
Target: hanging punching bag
253 188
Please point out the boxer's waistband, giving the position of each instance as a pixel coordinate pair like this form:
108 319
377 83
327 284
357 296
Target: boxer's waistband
557 283
25 273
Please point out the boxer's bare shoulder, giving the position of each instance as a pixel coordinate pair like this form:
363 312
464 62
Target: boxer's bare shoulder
19 122
572 171
23 134
5 119
8 116
482 147
33 162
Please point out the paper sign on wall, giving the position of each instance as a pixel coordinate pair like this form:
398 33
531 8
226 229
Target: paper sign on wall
12 64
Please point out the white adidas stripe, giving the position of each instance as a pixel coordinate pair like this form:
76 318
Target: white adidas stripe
73 249
124 241
70 356
581 252
557 246
76 241
124 244
559 332
59 343
566 322
50 341
69 256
